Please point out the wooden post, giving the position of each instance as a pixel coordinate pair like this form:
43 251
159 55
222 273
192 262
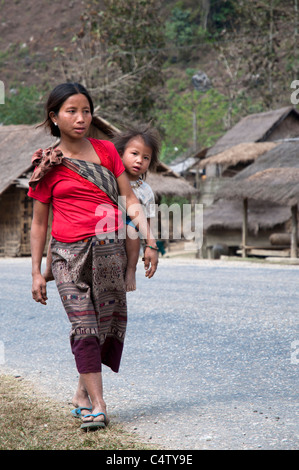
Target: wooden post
244 227
294 234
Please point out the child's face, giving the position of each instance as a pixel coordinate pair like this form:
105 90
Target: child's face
136 158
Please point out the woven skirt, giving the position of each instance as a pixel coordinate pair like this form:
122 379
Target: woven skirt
89 275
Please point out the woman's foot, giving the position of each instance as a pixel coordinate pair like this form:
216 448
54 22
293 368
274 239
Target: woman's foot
91 386
96 419
82 402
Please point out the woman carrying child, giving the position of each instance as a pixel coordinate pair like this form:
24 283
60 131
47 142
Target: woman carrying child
89 267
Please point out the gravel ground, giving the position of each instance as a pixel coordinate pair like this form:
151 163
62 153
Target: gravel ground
211 357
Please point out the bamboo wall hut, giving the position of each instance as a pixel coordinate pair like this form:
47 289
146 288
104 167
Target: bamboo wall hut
18 143
242 144
256 209
278 186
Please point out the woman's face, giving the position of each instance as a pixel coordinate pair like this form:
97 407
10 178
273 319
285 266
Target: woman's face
74 117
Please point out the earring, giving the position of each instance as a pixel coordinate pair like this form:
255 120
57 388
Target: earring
55 123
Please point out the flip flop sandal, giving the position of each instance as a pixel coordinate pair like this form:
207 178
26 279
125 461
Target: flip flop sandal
76 412
94 424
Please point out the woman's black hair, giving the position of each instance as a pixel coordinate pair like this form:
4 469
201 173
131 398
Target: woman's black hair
56 99
150 136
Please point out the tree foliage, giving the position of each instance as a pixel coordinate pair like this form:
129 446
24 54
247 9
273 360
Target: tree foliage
118 57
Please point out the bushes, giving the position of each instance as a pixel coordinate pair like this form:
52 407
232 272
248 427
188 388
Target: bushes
22 106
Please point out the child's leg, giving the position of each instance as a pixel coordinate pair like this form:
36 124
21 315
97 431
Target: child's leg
132 249
48 275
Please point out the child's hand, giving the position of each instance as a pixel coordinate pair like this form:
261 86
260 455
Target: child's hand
150 261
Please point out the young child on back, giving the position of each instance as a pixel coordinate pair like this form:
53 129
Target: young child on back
139 150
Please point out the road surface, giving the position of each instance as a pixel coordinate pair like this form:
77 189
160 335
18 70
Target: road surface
211 356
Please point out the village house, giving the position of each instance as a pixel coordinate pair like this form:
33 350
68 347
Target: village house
268 139
250 138
256 210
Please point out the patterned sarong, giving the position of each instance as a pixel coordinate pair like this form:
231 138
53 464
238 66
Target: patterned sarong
90 279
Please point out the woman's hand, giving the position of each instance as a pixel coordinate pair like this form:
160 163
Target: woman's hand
39 289
150 261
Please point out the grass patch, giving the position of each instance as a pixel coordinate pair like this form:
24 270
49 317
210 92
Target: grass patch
30 422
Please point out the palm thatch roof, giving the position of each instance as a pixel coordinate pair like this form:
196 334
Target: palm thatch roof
228 215
244 152
272 177
257 128
164 183
18 143
276 185
286 154
271 185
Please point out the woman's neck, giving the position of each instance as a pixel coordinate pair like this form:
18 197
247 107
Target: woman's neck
71 147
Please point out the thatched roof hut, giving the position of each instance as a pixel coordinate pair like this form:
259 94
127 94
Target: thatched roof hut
276 185
167 184
18 143
273 179
227 215
272 125
241 153
266 170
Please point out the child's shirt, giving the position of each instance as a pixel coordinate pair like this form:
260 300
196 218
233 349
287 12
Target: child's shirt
145 195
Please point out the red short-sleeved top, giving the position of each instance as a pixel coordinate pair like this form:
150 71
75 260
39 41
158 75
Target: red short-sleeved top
80 208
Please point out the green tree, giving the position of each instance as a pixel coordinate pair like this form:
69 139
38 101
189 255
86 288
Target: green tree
118 57
22 106
263 47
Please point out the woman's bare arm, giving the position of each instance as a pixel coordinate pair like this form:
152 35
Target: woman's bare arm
38 236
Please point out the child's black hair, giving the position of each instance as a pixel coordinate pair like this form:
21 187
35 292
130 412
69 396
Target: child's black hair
149 135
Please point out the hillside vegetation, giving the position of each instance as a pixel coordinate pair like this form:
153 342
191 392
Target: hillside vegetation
193 67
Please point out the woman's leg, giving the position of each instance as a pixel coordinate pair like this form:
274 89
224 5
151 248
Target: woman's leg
73 272
81 398
96 309
94 386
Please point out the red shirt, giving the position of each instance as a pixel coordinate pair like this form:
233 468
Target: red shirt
80 208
